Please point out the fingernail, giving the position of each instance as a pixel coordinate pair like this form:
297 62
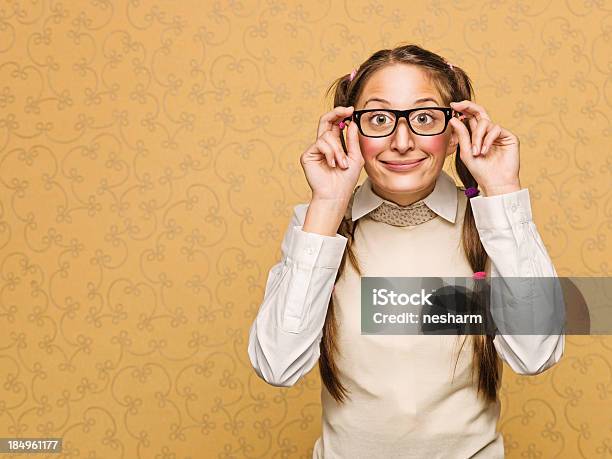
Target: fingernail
484 149
333 163
474 149
344 162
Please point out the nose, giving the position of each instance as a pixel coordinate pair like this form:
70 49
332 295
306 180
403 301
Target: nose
402 135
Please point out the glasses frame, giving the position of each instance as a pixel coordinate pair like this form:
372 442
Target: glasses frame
449 112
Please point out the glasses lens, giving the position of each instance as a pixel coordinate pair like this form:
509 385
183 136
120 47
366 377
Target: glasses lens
378 123
428 121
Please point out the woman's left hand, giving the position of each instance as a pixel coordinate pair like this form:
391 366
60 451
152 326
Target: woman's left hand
495 164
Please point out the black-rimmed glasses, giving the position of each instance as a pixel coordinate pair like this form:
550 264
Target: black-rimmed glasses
379 122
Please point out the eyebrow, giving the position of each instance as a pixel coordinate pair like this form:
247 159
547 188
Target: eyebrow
377 99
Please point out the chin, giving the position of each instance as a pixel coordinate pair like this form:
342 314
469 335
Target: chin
404 185
408 180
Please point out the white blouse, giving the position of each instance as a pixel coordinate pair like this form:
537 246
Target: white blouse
284 339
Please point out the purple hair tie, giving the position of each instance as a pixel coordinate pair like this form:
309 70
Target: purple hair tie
471 192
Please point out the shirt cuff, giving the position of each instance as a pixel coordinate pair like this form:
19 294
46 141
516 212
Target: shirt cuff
316 250
502 210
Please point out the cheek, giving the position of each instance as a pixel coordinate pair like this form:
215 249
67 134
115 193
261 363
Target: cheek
434 144
371 147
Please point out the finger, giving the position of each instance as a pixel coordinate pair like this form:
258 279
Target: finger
472 119
506 134
352 144
339 154
334 152
337 127
471 109
478 134
473 122
327 121
327 150
494 133
464 117
477 122
465 146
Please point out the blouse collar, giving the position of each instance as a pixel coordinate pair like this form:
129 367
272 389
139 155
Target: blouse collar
442 200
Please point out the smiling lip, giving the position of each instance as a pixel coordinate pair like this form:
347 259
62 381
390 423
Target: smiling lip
410 161
402 165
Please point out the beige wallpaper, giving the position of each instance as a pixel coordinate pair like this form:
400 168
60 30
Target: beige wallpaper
149 163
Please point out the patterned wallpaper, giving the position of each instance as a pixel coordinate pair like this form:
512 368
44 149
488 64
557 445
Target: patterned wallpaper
149 164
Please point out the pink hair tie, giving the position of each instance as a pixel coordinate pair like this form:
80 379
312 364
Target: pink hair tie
479 275
471 192
353 73
341 124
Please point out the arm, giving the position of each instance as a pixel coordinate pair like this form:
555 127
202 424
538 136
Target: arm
515 249
284 338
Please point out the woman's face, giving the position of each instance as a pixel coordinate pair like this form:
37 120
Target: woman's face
401 85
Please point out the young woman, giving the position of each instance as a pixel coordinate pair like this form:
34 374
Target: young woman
402 396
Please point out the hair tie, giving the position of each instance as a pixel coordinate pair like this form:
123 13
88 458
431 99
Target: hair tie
471 192
353 73
479 275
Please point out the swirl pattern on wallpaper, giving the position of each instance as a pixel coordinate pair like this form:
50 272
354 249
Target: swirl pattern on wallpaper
149 164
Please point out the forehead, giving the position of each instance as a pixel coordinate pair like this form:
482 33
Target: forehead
400 84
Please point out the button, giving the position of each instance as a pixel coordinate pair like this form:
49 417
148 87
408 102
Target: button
513 207
309 250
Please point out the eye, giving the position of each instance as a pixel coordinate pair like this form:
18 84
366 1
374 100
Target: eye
379 118
422 118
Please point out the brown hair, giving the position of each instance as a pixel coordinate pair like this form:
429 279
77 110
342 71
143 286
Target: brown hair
453 84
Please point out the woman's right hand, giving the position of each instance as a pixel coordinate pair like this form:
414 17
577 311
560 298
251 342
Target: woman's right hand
332 174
